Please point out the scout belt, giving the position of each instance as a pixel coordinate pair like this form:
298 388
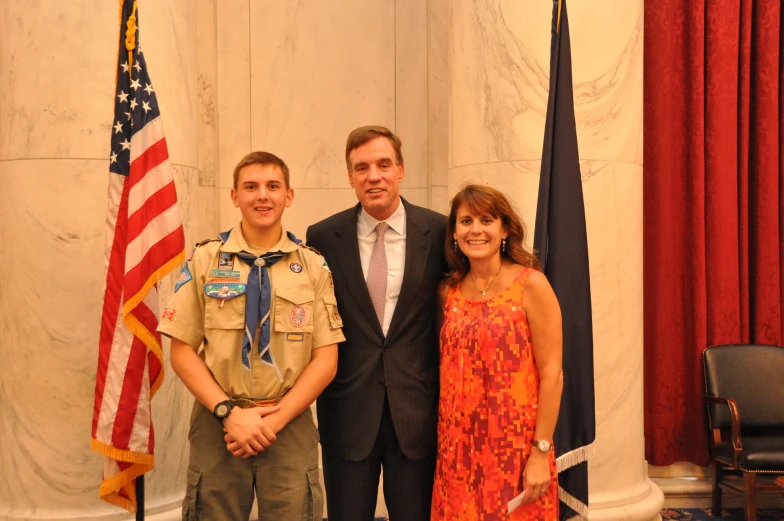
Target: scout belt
250 403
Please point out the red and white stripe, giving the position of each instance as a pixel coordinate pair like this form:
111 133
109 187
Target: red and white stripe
145 241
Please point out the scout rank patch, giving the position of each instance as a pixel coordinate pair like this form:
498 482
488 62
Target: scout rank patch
296 267
226 261
298 316
185 276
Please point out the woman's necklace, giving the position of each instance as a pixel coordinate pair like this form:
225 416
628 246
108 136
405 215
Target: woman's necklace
484 292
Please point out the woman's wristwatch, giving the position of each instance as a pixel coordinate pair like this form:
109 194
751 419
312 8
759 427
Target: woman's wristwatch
543 445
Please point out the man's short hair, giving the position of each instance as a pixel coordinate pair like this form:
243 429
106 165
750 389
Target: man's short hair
362 135
261 158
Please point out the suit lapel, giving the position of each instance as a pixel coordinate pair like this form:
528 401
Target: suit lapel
347 250
417 251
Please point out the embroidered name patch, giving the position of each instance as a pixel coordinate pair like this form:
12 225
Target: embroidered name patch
225 274
295 337
224 291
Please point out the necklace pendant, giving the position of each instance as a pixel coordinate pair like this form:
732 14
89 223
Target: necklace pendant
484 293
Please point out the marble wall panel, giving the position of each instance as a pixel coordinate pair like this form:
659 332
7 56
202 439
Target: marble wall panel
439 199
500 74
314 204
232 21
417 196
316 74
57 78
54 217
228 216
437 96
169 41
207 85
497 80
613 200
71 60
411 101
607 74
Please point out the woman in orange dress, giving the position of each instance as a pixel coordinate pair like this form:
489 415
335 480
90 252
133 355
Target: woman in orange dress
501 377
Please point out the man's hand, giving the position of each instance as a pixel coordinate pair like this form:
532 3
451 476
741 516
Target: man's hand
247 433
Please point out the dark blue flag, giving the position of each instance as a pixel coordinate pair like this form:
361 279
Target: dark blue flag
560 240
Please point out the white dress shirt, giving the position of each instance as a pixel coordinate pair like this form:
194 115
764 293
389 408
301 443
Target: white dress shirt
395 248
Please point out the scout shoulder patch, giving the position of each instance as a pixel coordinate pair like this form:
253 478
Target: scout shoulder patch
168 314
324 265
185 276
224 291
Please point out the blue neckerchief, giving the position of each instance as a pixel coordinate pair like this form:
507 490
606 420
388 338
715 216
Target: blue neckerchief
257 302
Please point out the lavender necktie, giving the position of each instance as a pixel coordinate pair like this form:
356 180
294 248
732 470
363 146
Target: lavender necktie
377 274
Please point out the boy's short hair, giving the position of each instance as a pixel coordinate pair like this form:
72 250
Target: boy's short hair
261 158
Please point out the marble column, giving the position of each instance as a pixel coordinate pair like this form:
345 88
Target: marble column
498 80
57 68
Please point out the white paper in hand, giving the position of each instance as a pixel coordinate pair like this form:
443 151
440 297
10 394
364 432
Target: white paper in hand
515 502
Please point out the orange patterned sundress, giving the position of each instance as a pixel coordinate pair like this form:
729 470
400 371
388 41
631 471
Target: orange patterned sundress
487 410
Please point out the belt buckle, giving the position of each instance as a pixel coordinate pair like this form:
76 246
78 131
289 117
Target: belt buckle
244 403
249 403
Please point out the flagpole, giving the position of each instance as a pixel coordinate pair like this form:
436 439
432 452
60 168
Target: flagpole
140 498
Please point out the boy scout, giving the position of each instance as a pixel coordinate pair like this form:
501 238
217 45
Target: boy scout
265 308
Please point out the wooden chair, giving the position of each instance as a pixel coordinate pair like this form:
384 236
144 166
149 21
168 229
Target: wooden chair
744 395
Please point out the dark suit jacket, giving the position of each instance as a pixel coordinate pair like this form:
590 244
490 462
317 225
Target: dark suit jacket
404 365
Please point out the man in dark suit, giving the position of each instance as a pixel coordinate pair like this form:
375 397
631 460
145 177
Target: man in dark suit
381 410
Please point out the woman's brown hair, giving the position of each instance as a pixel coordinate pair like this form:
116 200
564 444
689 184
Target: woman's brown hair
482 200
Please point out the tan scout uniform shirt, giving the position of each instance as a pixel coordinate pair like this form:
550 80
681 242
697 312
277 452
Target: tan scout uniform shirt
299 281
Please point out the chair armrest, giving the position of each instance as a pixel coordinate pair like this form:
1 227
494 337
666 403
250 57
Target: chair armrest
737 446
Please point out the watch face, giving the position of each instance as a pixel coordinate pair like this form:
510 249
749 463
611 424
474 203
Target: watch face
544 445
222 410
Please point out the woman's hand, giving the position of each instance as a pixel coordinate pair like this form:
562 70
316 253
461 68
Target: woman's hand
536 476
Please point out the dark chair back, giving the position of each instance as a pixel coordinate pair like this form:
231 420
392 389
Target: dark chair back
753 376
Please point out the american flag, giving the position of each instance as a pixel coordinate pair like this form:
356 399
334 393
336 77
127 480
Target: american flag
145 241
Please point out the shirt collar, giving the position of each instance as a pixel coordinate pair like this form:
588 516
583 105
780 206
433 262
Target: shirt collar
366 223
237 243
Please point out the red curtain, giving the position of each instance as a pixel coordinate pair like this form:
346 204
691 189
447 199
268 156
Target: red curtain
713 195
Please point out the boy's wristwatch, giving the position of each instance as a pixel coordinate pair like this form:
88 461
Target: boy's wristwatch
223 409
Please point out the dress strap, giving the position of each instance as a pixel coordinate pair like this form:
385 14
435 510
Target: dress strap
450 294
520 281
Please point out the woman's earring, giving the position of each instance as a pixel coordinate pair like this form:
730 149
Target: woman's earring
503 245
455 244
